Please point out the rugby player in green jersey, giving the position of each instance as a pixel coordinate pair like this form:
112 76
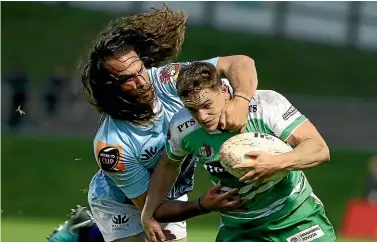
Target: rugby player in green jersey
280 210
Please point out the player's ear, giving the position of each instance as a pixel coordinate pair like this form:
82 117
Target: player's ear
224 88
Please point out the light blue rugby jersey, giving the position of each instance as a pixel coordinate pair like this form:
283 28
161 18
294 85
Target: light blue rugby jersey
127 153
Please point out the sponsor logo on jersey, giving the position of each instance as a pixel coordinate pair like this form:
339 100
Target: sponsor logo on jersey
186 125
109 157
211 168
307 235
150 153
215 168
206 151
253 108
263 136
289 113
169 73
120 221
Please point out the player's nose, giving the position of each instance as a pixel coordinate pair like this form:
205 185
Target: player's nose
140 81
201 115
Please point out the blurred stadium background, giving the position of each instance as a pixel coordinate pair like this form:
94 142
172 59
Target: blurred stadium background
321 55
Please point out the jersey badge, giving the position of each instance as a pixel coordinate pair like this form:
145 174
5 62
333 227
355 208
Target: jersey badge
169 73
206 151
109 157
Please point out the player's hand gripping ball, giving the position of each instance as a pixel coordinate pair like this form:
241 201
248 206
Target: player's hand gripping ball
234 150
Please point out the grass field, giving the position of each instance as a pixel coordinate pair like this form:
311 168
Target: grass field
36 231
56 180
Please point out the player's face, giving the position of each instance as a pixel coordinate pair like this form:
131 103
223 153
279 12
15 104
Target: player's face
206 106
131 73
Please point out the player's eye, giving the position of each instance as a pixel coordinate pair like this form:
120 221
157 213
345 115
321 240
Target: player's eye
126 78
207 105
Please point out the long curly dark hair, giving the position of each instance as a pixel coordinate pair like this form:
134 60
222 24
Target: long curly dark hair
156 37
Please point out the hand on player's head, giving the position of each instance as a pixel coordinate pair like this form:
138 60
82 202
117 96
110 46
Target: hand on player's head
234 116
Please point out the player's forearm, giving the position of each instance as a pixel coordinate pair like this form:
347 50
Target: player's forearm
308 154
242 75
162 180
175 211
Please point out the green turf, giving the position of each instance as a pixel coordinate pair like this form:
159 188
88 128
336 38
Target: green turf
16 230
40 36
49 175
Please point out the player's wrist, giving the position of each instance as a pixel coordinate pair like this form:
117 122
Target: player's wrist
285 161
242 97
248 95
201 207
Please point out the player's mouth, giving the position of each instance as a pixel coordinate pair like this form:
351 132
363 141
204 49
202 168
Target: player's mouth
208 124
146 97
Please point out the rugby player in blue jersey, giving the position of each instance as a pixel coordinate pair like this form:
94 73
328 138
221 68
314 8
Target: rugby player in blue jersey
126 78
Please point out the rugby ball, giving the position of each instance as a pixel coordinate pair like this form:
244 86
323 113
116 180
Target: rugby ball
234 150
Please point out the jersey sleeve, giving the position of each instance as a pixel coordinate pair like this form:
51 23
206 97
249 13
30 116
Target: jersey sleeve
282 116
174 144
167 75
117 161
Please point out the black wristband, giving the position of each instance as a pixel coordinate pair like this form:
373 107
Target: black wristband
236 95
201 207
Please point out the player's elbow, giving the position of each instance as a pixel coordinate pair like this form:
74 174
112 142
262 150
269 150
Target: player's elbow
226 62
245 59
324 152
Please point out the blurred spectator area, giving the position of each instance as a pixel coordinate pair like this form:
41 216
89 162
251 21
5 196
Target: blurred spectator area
321 55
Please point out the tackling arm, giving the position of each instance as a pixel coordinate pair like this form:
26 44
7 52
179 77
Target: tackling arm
241 72
175 211
162 180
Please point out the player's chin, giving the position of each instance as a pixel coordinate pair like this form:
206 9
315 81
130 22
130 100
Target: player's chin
210 127
147 97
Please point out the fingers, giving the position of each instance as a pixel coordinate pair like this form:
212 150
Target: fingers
160 235
156 235
235 205
253 154
243 129
248 176
246 164
153 230
261 177
169 235
253 176
229 194
152 237
238 202
222 121
216 188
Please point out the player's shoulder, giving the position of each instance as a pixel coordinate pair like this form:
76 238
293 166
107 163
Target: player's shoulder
166 74
182 116
113 131
113 145
182 123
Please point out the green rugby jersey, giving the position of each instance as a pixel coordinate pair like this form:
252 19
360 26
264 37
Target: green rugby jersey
270 113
